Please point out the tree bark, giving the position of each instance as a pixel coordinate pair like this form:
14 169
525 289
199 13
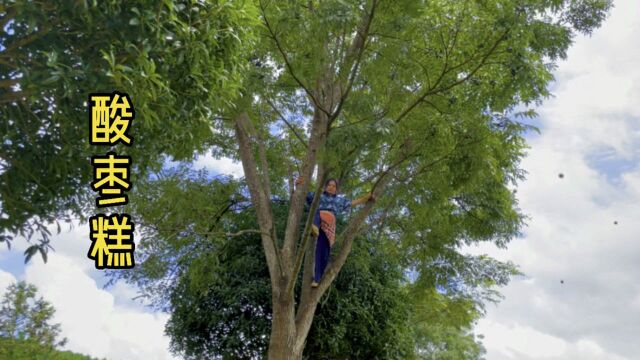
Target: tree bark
259 198
283 327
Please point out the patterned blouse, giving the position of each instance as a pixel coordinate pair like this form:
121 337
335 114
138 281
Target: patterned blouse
338 205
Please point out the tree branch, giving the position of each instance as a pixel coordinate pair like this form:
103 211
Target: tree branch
442 158
434 90
259 198
220 214
287 63
7 17
317 140
206 234
355 51
306 232
26 40
246 231
15 96
286 122
8 83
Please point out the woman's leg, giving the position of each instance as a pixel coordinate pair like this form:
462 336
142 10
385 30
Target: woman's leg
323 251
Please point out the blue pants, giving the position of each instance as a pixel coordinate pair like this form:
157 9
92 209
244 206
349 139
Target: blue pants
323 251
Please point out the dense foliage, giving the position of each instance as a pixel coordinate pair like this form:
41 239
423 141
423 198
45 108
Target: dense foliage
180 61
213 280
224 310
13 349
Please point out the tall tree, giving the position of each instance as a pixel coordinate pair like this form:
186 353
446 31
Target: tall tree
412 100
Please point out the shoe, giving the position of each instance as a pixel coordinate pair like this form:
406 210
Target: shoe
314 284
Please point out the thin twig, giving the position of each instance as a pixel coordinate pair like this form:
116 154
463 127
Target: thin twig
287 63
286 122
434 90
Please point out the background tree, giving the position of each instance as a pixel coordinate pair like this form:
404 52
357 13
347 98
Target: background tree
413 100
14 349
24 317
26 331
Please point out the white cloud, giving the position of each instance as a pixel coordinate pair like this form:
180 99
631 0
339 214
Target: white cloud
519 342
631 184
6 279
90 317
597 88
219 166
98 322
512 339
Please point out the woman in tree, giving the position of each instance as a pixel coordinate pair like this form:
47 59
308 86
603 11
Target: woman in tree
324 222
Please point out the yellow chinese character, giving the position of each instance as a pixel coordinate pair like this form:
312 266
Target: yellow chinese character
111 175
112 237
110 118
99 118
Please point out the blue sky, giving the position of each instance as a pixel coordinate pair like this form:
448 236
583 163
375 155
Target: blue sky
590 133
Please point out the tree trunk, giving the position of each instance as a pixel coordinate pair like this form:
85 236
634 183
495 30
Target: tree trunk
282 344
289 328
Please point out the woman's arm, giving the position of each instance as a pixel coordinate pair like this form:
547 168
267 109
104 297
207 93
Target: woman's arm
362 200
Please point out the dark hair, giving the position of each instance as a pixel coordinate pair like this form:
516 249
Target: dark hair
330 180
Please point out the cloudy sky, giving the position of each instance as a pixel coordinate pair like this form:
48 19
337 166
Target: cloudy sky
590 134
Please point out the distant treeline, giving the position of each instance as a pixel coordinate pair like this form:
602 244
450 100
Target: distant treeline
12 349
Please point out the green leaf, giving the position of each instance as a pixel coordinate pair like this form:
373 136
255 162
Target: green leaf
29 252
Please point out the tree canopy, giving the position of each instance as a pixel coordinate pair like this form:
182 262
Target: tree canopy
26 331
181 62
14 349
24 317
